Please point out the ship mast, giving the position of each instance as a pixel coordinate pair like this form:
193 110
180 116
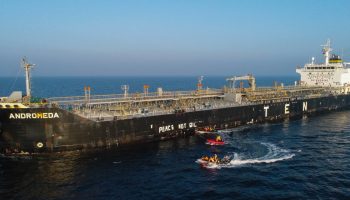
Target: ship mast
27 67
326 51
125 88
200 84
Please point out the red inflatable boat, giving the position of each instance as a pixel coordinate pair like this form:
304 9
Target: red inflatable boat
214 142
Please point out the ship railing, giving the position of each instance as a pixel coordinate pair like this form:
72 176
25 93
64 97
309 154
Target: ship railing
133 97
273 89
166 95
293 88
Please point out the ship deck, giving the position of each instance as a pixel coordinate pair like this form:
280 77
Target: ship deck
123 106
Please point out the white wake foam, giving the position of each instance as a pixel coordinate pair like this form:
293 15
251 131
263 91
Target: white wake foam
274 154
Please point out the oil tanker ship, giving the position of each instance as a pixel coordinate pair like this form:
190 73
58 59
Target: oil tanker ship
104 121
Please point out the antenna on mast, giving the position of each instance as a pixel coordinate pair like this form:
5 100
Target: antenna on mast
27 67
326 51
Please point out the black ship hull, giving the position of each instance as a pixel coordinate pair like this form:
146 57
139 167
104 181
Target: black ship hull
37 130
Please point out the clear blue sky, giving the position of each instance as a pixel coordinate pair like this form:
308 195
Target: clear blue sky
179 37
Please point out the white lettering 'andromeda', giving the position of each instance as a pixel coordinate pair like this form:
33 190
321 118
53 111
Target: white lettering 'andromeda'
34 115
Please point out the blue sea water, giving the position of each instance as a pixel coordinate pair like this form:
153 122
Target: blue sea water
301 159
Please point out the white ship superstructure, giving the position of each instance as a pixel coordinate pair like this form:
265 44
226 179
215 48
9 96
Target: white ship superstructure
333 72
